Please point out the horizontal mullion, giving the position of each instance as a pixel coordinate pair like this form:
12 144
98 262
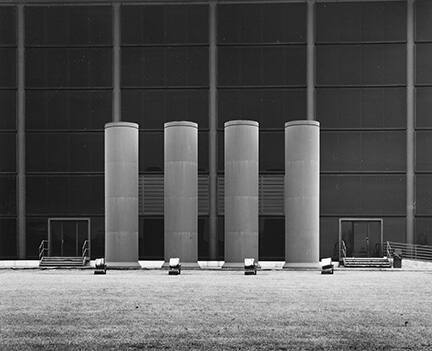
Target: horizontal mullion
356 86
8 131
358 214
164 45
353 43
62 88
66 131
360 173
296 86
266 44
169 87
360 129
69 46
63 173
8 88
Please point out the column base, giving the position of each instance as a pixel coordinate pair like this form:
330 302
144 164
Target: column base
302 266
236 266
184 265
123 265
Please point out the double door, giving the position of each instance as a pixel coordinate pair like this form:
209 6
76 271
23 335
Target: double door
362 237
67 236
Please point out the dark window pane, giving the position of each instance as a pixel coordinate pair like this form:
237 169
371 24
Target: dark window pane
423 151
423 231
423 63
363 151
7 68
423 15
151 156
152 108
363 195
63 152
357 22
68 109
68 25
169 24
271 238
262 23
97 237
423 107
7 25
361 64
271 151
7 152
203 239
271 108
329 237
361 107
423 184
203 152
8 243
173 66
75 67
280 66
7 195
67 195
36 231
151 238
7 106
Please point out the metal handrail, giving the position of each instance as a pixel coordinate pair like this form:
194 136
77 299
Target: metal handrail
42 248
343 249
389 250
85 250
411 251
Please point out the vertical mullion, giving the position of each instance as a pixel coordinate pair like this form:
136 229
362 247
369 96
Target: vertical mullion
310 59
116 102
21 179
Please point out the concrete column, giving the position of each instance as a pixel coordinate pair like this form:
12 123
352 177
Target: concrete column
241 192
302 147
121 194
181 192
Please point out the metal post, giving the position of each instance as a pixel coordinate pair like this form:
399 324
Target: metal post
310 57
410 179
21 170
116 101
213 235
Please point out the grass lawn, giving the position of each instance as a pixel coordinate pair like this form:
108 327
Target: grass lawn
211 310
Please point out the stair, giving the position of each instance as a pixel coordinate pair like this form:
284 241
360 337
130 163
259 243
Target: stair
366 262
62 262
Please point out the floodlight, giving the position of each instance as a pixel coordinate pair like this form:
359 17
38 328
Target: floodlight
174 266
250 266
100 266
327 266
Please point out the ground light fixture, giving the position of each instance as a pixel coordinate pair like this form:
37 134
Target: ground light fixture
250 266
174 266
327 266
100 266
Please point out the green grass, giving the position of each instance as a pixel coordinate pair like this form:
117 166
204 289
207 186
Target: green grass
215 310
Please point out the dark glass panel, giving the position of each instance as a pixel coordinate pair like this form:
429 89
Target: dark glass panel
7 25
72 67
363 151
68 25
156 66
423 231
152 108
423 15
7 106
423 107
68 195
423 149
151 238
271 238
394 229
7 67
7 152
360 22
329 237
280 66
423 197
97 237
203 238
361 107
423 63
271 151
36 231
271 108
171 24
363 195
261 23
361 64
203 152
68 109
7 195
62 152
151 155
8 240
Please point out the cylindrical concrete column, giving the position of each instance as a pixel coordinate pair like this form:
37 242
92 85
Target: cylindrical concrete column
121 194
302 147
241 192
181 192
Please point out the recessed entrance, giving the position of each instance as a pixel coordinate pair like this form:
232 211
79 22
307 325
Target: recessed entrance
68 236
363 237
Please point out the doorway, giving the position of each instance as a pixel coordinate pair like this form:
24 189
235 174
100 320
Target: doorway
363 237
68 236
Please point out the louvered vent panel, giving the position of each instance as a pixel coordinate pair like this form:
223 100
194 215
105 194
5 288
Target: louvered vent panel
203 195
220 194
271 194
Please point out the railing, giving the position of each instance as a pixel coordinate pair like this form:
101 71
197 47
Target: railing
410 251
343 252
85 251
43 247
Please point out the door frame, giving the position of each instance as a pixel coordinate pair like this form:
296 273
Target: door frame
70 219
354 219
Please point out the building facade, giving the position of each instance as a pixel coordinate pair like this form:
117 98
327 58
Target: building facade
363 69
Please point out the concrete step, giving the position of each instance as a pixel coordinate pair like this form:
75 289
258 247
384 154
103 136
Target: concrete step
61 262
366 262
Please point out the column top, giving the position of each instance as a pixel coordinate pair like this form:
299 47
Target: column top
180 124
302 123
241 122
121 124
